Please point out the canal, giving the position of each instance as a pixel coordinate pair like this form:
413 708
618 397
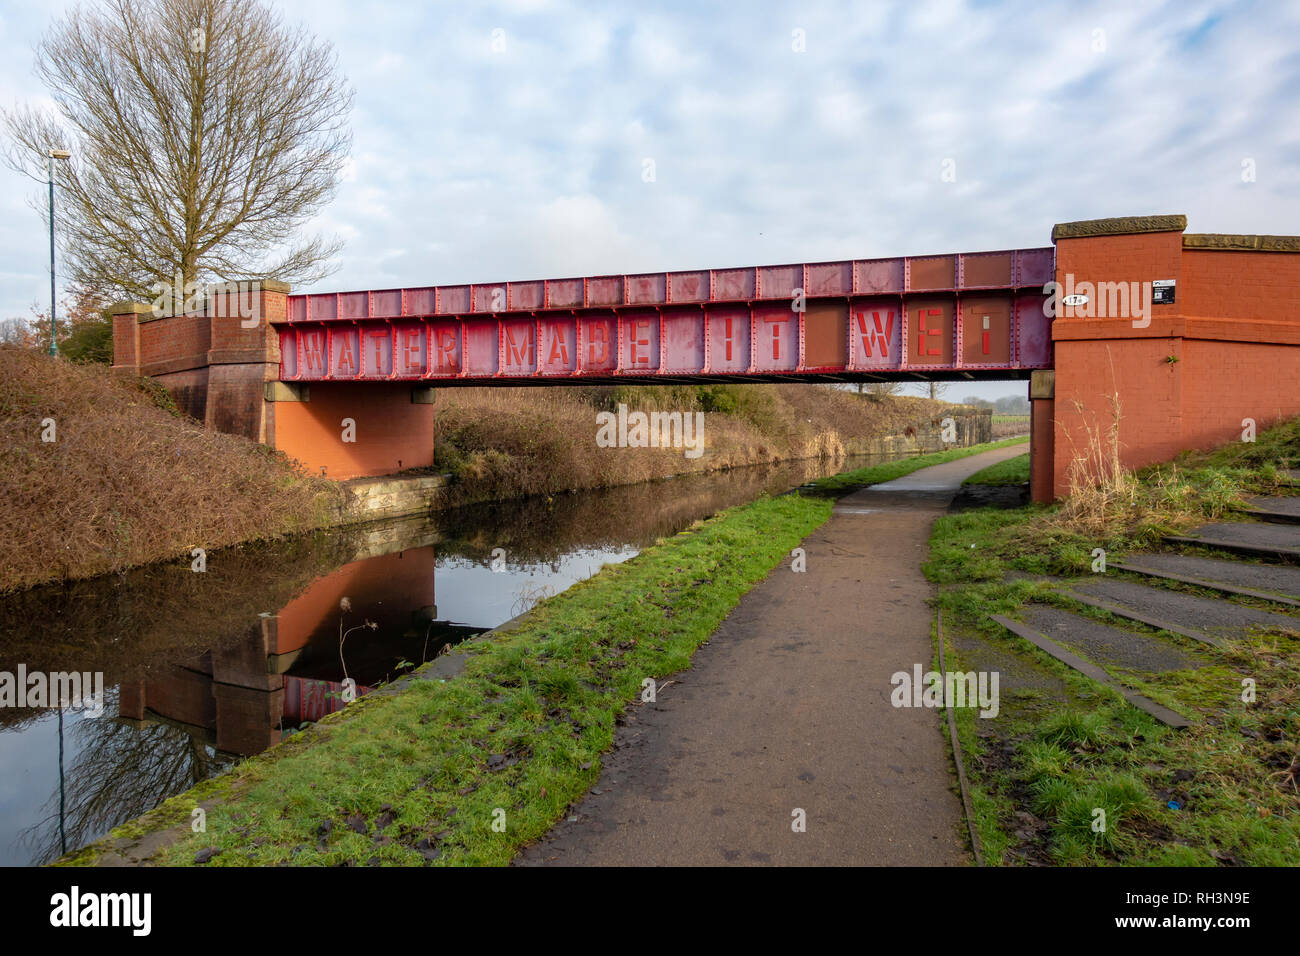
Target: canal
200 670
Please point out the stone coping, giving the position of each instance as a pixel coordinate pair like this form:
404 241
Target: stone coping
1124 225
1239 243
1133 225
130 308
143 308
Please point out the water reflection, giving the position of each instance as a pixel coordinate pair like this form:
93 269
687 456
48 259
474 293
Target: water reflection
205 669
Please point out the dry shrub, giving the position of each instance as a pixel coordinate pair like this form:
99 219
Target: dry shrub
508 442
127 481
1013 429
1101 489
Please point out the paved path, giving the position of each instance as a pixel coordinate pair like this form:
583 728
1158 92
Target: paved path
788 707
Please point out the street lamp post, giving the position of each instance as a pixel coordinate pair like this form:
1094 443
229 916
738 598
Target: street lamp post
53 155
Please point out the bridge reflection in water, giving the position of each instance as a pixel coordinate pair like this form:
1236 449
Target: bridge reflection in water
290 667
205 669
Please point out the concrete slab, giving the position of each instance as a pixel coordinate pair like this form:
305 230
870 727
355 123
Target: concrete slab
1185 612
1091 670
1110 646
1279 579
1275 508
1252 538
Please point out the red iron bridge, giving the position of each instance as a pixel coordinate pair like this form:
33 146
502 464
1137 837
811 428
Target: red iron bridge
960 316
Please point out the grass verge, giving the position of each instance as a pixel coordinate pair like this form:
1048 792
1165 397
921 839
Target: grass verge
849 481
1224 791
425 773
1013 471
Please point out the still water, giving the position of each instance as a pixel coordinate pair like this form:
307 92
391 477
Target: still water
202 670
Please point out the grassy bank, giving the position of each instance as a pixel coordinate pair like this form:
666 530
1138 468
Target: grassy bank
1223 791
125 479
1013 471
887 471
421 774
509 442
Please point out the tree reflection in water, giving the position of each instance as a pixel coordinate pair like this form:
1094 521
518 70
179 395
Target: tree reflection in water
122 769
266 614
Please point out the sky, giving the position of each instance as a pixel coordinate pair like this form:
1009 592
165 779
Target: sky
511 140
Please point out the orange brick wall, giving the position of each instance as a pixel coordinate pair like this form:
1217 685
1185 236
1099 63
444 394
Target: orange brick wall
1240 285
229 334
1226 382
1089 373
392 432
1227 349
126 342
1139 258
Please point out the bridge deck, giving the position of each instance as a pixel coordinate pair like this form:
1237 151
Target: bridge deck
963 315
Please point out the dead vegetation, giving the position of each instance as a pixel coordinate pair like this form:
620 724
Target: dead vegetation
1109 503
1102 490
510 442
126 480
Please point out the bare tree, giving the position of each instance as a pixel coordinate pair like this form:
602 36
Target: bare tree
937 389
18 333
879 390
204 133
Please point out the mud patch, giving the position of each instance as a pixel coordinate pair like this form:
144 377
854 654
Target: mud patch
990 496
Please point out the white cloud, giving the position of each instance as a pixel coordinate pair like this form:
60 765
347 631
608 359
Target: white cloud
475 166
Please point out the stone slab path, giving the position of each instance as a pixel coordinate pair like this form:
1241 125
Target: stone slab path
1106 645
1189 612
1272 541
1287 509
1278 578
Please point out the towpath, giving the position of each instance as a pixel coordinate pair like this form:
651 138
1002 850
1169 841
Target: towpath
787 708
